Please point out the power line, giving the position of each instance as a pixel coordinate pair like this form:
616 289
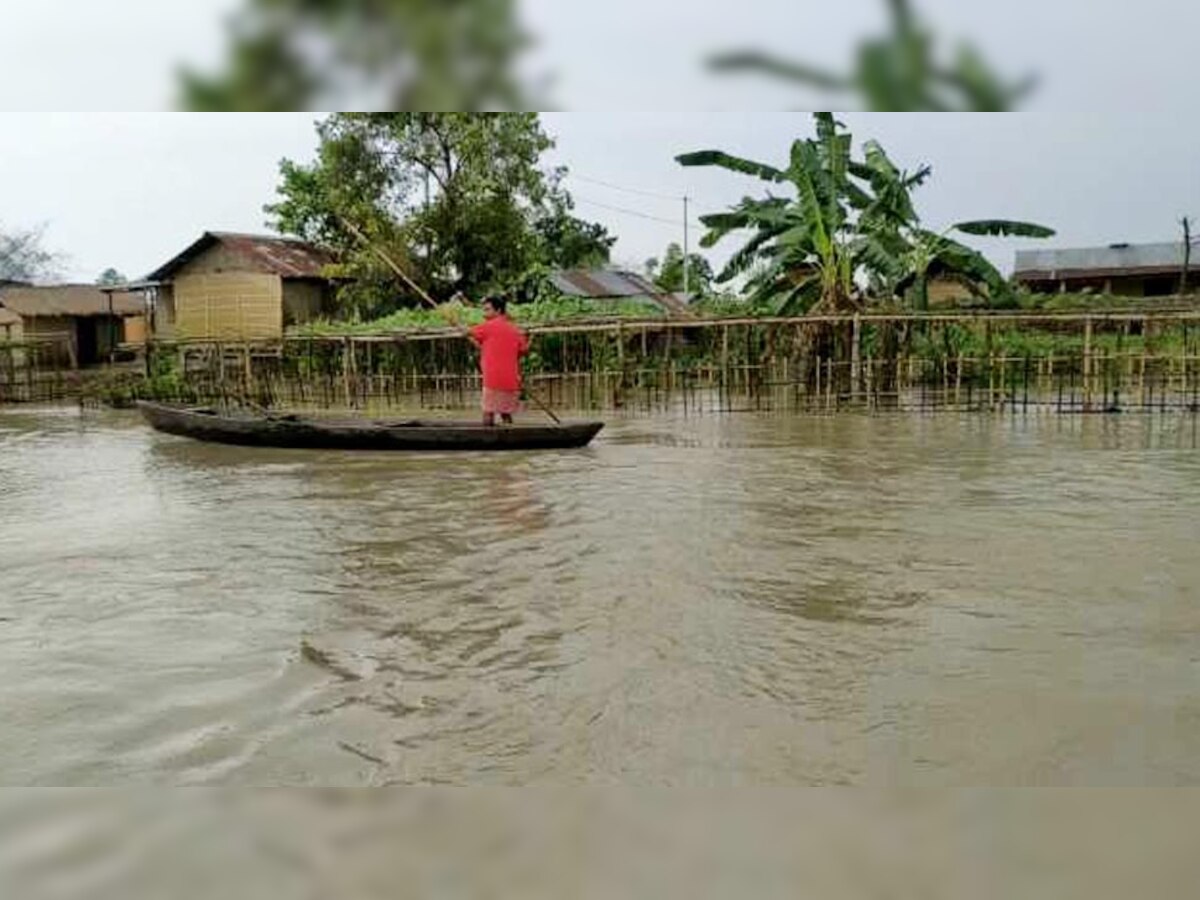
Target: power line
643 191
628 190
633 212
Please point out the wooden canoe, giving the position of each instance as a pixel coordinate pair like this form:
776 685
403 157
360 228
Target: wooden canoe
267 430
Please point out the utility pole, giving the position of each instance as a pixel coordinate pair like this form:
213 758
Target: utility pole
685 246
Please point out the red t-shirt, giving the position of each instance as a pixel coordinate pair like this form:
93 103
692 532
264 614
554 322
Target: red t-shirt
501 345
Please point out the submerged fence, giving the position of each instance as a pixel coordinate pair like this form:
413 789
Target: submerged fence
1064 362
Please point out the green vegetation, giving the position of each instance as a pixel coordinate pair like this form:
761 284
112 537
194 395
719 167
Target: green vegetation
120 389
111 277
668 275
851 222
463 203
540 312
902 71
325 54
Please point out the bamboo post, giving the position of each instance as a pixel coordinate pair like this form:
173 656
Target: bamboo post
871 400
347 356
855 357
620 364
1142 378
829 384
1087 363
818 368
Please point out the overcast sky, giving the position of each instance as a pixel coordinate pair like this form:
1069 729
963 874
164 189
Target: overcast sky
130 190
640 54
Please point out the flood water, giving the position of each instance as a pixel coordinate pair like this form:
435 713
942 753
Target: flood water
725 600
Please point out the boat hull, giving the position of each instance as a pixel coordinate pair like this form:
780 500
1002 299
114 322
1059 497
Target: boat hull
299 432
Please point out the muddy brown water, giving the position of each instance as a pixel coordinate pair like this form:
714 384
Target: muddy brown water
725 600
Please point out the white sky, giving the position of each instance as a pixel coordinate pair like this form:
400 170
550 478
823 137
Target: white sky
1107 154
638 54
129 190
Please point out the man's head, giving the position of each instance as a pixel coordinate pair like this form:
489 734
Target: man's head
494 306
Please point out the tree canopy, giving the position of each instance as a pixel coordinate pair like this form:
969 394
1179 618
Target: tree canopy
338 54
463 201
110 277
668 275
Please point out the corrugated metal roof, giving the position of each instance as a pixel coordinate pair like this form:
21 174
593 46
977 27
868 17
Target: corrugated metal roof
613 284
285 257
1112 260
602 283
69 300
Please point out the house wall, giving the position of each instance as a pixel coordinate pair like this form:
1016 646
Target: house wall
946 292
228 306
303 301
163 326
43 328
134 330
49 326
221 295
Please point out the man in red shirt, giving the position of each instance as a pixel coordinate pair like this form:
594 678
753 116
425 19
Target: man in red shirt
501 346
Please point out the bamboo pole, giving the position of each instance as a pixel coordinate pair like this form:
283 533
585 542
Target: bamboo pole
1087 363
855 358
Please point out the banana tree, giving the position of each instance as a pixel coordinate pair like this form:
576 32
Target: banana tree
850 220
916 251
845 217
928 251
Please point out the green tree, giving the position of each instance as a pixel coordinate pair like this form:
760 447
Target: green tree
668 276
851 220
461 200
24 258
902 71
110 277
568 242
391 54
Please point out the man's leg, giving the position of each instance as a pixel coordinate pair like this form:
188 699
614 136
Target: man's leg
489 419
506 418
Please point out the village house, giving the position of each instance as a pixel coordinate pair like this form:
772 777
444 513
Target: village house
1129 270
228 286
10 325
89 322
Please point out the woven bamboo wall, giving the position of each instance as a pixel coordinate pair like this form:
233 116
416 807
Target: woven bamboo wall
229 306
